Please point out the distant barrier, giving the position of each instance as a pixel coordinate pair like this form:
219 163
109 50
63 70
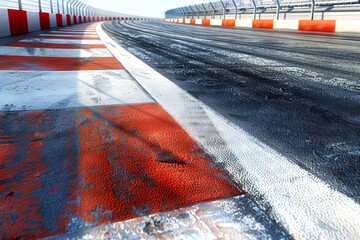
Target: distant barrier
298 25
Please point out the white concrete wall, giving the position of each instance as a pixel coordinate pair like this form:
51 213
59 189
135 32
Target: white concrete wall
4 23
246 23
347 26
33 21
216 22
286 24
198 21
52 20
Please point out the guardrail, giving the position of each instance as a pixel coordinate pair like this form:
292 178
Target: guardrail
239 7
71 7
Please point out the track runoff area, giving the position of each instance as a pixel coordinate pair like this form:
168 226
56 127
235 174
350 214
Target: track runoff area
90 135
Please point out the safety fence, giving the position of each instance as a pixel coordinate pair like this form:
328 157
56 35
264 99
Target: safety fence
239 8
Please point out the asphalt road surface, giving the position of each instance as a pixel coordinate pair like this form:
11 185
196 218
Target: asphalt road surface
299 93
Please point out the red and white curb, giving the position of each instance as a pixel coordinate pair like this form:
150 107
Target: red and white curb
306 206
83 144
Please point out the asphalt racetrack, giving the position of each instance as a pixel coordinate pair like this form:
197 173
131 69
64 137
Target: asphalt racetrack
297 92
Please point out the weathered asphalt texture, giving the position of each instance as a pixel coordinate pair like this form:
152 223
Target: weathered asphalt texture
297 92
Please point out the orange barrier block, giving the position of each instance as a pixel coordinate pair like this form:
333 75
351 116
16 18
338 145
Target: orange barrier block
228 23
192 21
206 22
317 25
183 21
269 24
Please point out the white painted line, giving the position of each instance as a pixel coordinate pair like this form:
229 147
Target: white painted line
61 41
26 90
306 206
207 220
53 52
71 33
68 36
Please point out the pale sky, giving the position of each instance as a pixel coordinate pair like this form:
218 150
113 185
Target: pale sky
149 8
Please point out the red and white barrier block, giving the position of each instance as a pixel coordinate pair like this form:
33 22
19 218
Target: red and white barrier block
296 25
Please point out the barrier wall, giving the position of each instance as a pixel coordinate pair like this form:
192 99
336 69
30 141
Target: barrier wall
296 25
16 22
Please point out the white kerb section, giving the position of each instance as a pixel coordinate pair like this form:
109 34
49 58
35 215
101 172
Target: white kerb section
68 36
306 206
54 52
216 22
52 21
26 90
61 41
286 24
198 21
347 26
246 23
33 21
4 23
187 21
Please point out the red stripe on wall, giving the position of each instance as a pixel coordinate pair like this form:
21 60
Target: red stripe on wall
317 25
58 63
269 24
192 21
59 20
75 19
44 20
68 19
18 22
228 23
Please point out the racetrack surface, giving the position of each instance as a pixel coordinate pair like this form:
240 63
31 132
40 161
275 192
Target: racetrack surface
296 92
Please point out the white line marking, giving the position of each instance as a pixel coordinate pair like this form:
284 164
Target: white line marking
306 206
68 36
26 90
52 52
61 41
72 33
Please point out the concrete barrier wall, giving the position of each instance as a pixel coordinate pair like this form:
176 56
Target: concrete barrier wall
296 25
16 22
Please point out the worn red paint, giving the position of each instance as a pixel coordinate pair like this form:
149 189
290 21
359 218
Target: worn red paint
58 63
20 215
137 160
